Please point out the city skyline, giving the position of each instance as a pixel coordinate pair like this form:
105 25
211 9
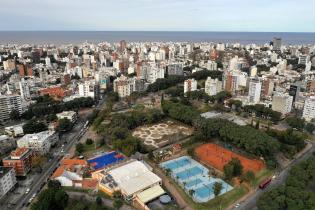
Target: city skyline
158 15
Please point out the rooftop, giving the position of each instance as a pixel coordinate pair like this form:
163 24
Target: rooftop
134 177
19 153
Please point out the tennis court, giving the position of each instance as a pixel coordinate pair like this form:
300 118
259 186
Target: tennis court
217 156
194 177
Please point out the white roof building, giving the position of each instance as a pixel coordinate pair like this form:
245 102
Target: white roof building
39 142
134 178
70 115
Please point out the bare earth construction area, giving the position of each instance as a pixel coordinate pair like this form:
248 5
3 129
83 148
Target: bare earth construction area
161 134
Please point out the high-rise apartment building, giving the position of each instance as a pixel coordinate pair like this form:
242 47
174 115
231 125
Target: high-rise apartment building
254 91
8 103
190 85
282 103
309 109
89 89
212 86
21 160
7 180
277 42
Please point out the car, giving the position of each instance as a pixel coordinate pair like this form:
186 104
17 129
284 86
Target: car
27 191
237 205
34 195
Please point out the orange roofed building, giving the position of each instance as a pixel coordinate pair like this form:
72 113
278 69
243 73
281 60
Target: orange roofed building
55 92
21 160
70 173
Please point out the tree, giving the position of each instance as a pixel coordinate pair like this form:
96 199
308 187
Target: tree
54 197
34 126
89 141
228 171
233 168
217 187
295 193
15 115
118 204
98 200
79 148
51 117
222 96
64 125
39 161
310 127
191 192
248 177
295 122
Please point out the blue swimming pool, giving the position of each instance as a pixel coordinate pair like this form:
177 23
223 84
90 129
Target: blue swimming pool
191 175
105 159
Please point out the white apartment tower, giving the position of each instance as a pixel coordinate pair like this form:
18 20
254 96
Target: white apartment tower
24 90
309 109
9 103
282 103
89 89
7 180
124 86
213 86
254 91
190 85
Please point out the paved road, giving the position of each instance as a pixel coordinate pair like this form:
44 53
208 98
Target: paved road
72 138
250 202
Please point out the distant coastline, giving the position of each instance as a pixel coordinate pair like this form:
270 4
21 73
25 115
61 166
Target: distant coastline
77 37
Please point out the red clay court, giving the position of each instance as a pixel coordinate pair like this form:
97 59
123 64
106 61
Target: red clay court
218 156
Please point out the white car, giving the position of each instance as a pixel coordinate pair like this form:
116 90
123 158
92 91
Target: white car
27 191
237 205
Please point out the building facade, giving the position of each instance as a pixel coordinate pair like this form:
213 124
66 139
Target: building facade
282 103
7 180
309 109
21 160
213 86
8 103
190 85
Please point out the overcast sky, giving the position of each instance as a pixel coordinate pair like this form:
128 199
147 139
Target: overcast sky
167 15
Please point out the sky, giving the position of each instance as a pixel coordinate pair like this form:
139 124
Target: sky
159 15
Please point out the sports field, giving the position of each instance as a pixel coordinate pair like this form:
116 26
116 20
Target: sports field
218 156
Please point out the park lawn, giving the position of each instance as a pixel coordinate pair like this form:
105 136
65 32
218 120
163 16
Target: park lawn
89 150
226 199
261 176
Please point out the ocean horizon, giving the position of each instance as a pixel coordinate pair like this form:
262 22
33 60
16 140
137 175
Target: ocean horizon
77 37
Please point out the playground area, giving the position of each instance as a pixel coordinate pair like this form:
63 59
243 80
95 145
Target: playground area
217 156
194 178
161 134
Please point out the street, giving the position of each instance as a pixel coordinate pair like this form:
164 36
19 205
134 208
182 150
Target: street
71 138
250 202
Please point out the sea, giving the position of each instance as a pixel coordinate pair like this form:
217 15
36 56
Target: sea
77 37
